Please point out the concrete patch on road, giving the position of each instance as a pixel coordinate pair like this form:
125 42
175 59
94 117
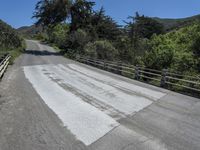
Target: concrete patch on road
86 122
151 94
102 92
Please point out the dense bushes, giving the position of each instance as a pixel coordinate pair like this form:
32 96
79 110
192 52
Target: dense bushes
177 50
101 50
9 39
58 34
77 40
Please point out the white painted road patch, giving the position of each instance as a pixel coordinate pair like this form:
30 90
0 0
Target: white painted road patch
86 122
152 94
104 93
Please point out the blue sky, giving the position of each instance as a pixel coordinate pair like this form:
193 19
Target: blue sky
18 12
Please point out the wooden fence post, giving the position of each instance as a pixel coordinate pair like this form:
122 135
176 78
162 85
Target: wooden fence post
163 78
1 59
77 58
104 65
120 68
137 72
87 62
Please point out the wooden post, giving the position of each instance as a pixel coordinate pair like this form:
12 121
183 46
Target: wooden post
87 62
120 68
77 58
1 59
104 64
137 72
163 78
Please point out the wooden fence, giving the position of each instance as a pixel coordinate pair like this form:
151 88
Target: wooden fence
165 79
4 62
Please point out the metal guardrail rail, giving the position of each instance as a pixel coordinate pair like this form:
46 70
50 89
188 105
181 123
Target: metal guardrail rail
4 62
164 78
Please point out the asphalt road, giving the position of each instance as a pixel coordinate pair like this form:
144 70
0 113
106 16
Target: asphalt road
48 102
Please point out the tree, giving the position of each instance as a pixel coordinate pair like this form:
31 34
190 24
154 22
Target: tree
132 31
81 13
142 27
51 12
146 27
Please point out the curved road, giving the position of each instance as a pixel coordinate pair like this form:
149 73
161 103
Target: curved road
48 102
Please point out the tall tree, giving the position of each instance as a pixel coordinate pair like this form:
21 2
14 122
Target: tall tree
147 26
132 30
104 26
51 12
143 27
81 13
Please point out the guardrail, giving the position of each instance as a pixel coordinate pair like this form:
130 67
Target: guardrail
164 78
4 62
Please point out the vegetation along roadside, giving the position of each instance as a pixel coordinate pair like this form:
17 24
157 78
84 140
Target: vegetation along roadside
77 29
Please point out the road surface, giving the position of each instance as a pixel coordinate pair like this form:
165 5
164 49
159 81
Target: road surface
48 102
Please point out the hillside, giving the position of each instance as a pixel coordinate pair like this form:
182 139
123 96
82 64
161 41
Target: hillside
9 38
171 24
10 41
29 31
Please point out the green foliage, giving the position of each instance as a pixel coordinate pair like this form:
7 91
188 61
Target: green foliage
143 27
9 38
90 50
51 12
101 50
196 47
126 52
40 36
10 41
77 40
104 26
81 14
175 24
184 62
58 34
146 27
143 41
139 30
158 58
177 50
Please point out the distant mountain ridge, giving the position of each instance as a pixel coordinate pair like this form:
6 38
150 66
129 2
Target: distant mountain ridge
29 31
171 24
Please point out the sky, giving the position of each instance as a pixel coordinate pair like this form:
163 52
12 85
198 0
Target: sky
18 13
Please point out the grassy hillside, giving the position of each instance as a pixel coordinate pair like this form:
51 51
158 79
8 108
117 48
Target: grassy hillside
171 24
10 41
29 31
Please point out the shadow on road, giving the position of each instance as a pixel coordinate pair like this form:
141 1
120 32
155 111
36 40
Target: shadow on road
42 53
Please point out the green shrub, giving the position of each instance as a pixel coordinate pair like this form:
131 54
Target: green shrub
101 50
177 50
77 40
9 38
58 34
